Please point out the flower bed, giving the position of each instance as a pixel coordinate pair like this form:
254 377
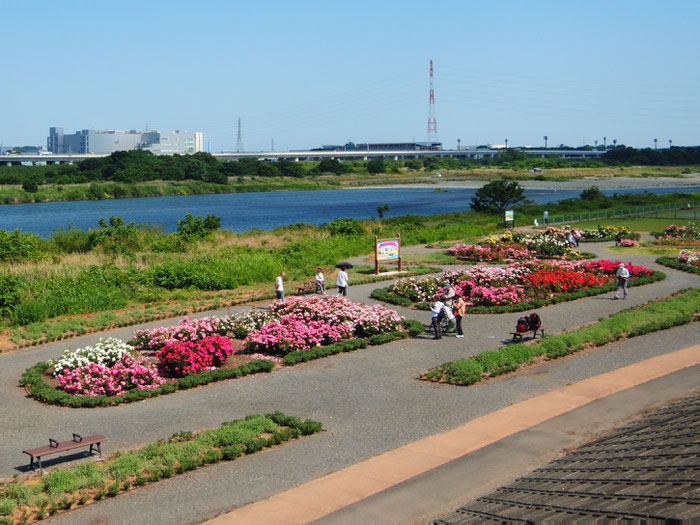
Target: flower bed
686 261
688 235
519 286
314 321
187 357
105 369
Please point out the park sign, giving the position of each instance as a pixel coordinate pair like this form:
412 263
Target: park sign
387 250
509 215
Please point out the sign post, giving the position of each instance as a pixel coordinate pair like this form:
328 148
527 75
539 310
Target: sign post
510 218
387 250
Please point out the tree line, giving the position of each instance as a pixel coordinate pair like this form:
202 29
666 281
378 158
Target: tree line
141 166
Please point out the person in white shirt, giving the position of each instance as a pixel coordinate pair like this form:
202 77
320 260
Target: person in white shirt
623 277
435 312
279 286
342 282
320 281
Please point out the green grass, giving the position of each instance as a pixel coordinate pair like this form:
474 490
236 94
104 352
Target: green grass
672 262
64 487
676 310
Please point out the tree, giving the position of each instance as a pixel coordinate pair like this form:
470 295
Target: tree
375 166
381 209
497 196
330 166
30 186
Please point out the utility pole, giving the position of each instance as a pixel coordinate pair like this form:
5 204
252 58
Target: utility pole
432 120
239 140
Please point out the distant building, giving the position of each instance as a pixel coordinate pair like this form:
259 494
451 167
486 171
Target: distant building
100 142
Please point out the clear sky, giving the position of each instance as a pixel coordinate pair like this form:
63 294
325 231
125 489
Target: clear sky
303 73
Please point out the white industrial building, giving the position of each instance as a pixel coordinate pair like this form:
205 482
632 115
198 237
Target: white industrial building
104 142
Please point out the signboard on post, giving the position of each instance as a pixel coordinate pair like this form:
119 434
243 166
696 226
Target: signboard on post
387 250
510 216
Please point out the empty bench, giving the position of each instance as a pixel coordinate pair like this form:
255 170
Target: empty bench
307 288
518 336
55 447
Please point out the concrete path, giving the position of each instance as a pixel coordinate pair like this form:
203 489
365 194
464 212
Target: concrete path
368 401
386 489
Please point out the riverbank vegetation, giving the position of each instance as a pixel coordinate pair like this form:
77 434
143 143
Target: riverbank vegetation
121 273
127 174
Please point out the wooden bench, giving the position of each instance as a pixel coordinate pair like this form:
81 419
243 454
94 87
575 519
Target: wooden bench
519 335
94 442
307 288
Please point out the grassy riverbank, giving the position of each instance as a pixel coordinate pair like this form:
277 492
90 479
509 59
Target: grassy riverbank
309 180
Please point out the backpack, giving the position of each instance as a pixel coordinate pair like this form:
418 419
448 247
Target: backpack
522 325
534 321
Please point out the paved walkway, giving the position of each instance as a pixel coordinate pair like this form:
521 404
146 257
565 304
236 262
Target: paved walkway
368 401
321 497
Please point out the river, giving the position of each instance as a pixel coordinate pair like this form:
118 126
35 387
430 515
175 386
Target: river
245 211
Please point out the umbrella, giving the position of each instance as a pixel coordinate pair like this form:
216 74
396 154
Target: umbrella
342 265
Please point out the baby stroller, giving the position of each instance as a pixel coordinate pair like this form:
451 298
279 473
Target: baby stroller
447 320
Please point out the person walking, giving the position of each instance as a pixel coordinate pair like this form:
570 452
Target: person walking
623 277
618 238
320 281
279 286
435 312
545 217
577 237
342 282
459 307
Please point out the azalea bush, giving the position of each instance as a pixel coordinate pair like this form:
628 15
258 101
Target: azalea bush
241 324
192 330
544 282
117 379
106 352
305 322
626 243
292 334
689 257
476 252
610 268
182 358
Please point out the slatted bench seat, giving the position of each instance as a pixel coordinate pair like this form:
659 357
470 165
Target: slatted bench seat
518 336
307 288
94 442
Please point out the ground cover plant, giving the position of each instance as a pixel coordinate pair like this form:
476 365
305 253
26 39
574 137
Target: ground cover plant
672 311
63 488
519 286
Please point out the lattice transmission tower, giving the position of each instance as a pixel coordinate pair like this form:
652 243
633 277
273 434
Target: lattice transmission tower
239 140
432 120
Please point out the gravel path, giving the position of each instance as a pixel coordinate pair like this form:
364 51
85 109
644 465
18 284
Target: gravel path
368 401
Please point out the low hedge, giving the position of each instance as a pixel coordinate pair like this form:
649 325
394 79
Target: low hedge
674 263
534 303
34 383
309 354
410 329
78 485
676 310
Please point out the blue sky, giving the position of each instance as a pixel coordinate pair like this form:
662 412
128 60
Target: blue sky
310 73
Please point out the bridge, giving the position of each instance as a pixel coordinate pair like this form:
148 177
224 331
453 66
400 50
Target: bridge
465 154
